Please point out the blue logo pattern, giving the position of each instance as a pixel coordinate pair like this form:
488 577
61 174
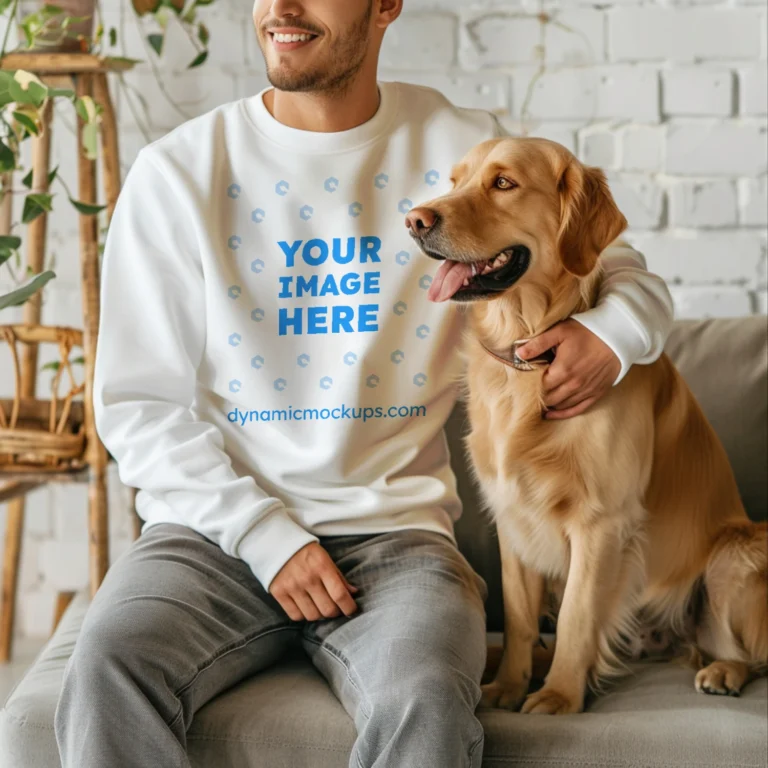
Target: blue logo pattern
402 258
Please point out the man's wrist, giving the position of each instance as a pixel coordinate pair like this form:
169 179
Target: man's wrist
271 543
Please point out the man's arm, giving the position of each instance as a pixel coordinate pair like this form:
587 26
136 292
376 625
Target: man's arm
151 341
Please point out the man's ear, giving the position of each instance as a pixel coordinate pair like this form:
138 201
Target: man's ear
388 12
589 217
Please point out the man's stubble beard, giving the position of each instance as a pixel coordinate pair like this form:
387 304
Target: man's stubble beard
344 62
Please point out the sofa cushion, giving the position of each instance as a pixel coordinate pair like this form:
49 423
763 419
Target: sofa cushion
287 717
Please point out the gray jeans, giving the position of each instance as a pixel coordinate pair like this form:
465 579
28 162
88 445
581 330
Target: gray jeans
177 621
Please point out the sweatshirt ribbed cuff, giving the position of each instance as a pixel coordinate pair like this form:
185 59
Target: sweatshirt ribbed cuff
268 546
614 327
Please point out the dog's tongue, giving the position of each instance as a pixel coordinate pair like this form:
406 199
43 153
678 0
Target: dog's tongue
448 279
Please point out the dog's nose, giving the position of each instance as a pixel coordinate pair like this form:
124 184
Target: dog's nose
420 220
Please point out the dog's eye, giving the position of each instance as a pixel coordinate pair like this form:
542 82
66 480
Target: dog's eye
504 183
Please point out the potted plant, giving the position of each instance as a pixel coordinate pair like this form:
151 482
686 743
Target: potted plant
64 25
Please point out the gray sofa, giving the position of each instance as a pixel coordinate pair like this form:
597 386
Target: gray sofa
288 718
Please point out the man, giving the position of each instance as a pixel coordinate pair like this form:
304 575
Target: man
273 379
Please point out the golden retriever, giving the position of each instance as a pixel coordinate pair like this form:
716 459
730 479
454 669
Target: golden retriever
631 508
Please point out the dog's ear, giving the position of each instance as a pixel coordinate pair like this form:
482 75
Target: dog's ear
589 217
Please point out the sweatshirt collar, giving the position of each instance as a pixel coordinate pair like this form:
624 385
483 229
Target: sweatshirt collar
317 141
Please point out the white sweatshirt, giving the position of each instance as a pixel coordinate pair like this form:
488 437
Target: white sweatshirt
269 369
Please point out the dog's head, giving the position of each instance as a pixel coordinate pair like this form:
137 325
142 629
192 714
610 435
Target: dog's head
519 210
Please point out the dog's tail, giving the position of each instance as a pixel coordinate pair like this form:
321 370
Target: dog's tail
737 583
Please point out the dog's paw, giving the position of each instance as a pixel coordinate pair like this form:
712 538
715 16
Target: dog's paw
722 678
498 695
549 701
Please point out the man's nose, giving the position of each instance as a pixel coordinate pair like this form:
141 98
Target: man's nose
420 220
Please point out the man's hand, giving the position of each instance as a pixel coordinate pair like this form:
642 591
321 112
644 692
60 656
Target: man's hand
310 586
583 371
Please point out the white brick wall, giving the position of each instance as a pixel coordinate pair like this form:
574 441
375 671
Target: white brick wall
668 95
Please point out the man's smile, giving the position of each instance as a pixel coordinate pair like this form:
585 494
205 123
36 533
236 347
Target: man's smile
290 38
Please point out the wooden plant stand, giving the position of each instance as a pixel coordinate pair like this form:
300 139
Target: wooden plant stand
69 449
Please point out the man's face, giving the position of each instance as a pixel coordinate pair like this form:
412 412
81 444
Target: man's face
313 45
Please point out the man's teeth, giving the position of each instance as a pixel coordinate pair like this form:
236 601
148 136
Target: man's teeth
281 38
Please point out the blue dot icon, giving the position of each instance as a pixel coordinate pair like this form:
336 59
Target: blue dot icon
372 381
381 181
326 382
306 212
234 191
420 379
280 384
355 209
422 331
431 177
257 266
331 184
234 242
404 205
425 281
402 258
397 356
282 188
257 215
400 308
350 358
257 362
235 385
302 360
234 291
234 339
257 315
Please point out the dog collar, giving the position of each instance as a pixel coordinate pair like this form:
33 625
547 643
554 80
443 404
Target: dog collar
513 361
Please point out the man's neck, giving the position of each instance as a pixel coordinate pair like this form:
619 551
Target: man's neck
325 112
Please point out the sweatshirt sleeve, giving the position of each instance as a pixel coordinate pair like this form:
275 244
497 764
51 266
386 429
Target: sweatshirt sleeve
634 310
151 341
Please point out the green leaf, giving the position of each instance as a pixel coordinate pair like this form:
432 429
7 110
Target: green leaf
4 5
112 37
90 135
89 209
27 180
9 242
7 158
54 365
78 360
198 60
64 93
34 205
4 256
156 41
27 122
24 291
202 34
